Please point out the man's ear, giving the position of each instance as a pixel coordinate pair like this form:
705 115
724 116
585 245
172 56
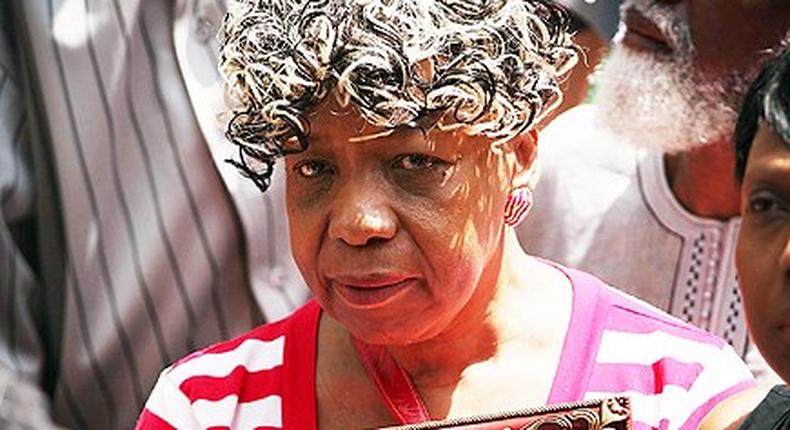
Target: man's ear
526 171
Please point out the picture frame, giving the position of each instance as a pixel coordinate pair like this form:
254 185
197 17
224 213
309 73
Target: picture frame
612 413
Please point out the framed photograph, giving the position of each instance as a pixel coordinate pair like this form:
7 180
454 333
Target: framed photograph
599 414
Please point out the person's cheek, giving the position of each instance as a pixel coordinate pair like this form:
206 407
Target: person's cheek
305 242
755 279
742 252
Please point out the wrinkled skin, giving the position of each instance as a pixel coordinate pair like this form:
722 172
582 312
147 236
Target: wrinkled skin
400 235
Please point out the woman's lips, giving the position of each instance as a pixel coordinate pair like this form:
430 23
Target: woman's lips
371 292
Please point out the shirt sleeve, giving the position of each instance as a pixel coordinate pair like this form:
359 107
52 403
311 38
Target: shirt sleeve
725 374
21 353
167 408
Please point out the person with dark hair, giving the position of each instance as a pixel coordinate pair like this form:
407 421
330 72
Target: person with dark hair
762 168
766 108
637 185
407 131
762 152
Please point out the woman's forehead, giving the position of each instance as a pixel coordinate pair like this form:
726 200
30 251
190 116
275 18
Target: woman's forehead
332 122
770 154
330 117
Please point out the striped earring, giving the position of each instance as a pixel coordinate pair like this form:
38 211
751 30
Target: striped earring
519 201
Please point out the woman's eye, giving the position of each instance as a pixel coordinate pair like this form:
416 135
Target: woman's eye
414 162
420 173
765 203
312 168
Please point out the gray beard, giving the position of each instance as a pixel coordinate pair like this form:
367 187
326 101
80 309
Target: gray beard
662 104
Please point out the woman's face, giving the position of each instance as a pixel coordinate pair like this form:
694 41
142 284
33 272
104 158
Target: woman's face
763 251
392 234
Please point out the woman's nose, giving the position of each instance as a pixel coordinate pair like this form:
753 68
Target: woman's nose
362 215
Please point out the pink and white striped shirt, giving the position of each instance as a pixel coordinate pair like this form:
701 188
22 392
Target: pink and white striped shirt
673 372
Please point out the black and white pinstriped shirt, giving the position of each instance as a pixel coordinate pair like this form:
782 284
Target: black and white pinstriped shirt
148 244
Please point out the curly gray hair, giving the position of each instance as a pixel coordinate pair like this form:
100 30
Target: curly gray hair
491 66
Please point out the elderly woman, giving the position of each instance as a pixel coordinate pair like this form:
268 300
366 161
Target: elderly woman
407 129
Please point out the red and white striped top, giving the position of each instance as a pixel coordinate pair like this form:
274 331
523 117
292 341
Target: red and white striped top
673 372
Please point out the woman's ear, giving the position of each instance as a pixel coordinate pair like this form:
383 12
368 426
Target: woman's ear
526 171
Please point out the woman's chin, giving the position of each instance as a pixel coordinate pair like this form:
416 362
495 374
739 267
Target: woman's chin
778 356
402 329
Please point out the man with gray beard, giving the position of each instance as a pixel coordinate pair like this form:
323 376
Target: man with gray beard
638 187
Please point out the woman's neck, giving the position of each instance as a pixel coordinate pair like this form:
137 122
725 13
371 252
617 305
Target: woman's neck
510 310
